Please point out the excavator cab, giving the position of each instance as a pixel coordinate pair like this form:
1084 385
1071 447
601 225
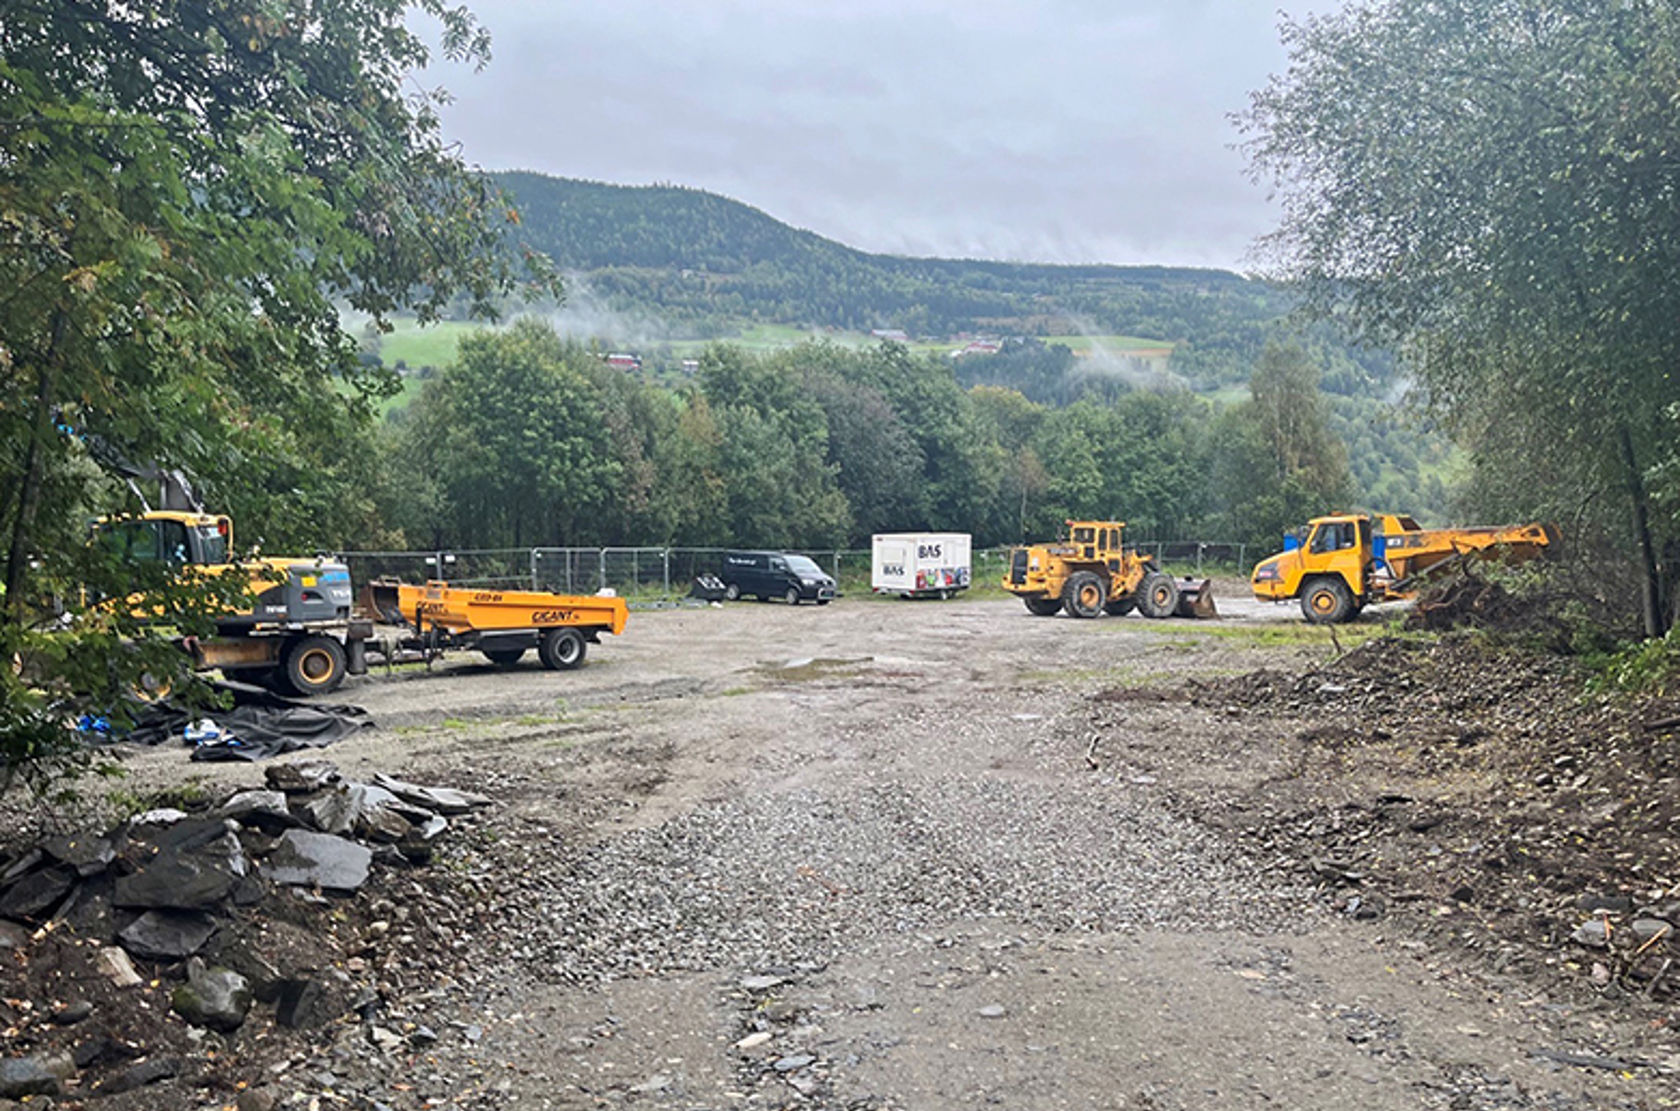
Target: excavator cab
178 539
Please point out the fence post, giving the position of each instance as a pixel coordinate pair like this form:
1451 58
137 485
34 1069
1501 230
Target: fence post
1199 547
602 555
1241 566
666 555
536 554
836 562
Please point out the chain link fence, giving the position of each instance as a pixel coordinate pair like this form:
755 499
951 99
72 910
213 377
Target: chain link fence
653 574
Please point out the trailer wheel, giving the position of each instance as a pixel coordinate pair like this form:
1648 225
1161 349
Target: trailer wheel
1120 607
562 649
791 597
731 592
1083 596
504 657
1327 600
1158 596
312 665
1044 607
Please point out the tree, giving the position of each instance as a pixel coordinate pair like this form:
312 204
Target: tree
1489 189
186 192
516 438
1275 462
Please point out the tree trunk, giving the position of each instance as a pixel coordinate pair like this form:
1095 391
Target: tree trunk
1651 608
41 428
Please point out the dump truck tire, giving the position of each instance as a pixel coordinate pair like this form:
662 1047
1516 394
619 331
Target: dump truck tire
1157 596
504 657
1326 600
562 649
1044 607
1120 607
1084 594
312 665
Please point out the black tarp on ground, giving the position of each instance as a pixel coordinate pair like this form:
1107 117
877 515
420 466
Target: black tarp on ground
257 725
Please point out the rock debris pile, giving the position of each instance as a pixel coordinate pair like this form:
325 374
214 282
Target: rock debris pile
1530 819
212 921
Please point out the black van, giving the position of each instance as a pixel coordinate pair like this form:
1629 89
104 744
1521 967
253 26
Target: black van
775 575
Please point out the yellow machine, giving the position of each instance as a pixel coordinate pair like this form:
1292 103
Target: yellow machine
1342 563
299 635
502 624
1093 572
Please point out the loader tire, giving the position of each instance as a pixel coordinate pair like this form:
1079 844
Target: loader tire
1044 607
562 649
1157 595
1120 607
1327 600
312 665
731 593
1084 594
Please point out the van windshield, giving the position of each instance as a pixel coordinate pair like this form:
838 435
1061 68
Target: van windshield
803 567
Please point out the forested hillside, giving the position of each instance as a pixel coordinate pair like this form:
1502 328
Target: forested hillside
703 263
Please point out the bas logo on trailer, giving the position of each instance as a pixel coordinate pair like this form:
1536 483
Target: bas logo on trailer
892 569
927 551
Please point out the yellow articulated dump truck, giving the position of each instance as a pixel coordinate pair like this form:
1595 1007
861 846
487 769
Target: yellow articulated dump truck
298 636
1092 572
1339 564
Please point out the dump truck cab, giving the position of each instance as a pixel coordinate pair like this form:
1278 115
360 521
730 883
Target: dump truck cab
1325 565
1091 572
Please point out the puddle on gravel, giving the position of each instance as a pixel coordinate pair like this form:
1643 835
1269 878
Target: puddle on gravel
804 669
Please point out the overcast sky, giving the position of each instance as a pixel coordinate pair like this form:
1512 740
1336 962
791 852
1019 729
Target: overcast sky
1056 131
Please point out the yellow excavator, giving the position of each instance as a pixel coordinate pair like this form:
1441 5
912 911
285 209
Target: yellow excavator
298 637
1092 572
1341 563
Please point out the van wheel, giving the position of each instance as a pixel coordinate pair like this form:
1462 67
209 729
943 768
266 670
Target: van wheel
312 665
562 649
732 592
791 597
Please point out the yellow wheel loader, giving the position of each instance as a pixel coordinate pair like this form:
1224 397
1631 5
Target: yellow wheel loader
1340 564
1092 572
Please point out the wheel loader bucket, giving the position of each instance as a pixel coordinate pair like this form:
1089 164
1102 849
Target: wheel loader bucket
1195 598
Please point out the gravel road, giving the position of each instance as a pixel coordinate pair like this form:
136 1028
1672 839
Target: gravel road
886 854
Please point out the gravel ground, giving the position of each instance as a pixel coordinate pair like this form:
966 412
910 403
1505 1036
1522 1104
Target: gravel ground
895 855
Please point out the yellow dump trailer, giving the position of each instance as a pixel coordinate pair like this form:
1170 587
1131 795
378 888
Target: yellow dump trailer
502 624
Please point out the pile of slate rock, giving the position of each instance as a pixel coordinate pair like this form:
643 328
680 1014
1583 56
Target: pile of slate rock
184 898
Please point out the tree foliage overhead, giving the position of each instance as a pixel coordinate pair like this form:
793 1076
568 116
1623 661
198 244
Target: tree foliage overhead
1490 189
186 190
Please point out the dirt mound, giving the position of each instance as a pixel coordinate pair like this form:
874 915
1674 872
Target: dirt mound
1482 783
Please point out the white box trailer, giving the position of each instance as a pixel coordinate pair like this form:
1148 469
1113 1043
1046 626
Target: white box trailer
920 564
